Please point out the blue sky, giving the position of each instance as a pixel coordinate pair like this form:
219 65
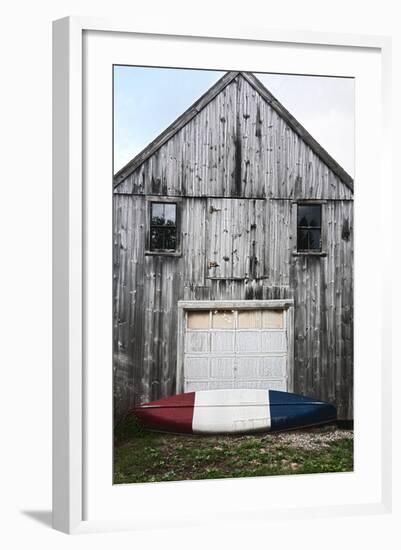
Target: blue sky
147 100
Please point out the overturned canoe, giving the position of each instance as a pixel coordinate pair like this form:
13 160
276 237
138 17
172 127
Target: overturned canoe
234 411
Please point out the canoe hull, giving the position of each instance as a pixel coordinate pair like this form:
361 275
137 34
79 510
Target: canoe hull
234 411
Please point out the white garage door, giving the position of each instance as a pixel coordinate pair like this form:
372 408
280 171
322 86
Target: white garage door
235 349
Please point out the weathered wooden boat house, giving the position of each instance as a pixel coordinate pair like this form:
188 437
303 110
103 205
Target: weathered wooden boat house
233 251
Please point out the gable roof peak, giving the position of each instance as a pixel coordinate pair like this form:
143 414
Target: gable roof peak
205 99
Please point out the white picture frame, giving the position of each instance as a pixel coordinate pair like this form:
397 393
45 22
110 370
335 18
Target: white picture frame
73 474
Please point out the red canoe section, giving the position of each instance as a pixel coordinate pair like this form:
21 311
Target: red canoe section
173 414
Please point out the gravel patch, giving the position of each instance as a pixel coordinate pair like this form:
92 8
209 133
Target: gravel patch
315 439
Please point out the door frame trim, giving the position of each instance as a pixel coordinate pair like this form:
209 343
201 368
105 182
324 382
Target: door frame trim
184 306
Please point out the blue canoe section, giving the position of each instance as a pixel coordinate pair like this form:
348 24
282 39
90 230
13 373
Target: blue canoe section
289 411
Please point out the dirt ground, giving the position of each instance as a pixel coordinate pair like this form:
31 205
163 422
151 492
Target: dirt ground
142 456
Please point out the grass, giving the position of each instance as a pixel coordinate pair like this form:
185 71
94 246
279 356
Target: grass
143 456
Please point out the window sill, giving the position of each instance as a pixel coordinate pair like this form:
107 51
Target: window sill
176 254
321 254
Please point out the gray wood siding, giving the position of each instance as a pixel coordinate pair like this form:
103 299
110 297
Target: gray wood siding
238 156
235 239
147 289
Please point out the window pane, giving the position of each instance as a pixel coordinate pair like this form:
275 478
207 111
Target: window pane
198 319
170 239
163 228
222 319
272 318
302 243
157 213
314 239
309 215
169 214
249 319
163 213
156 239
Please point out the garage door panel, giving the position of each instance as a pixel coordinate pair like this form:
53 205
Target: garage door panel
272 367
260 367
248 341
247 367
223 384
197 341
230 348
279 385
222 340
196 385
222 367
272 341
197 367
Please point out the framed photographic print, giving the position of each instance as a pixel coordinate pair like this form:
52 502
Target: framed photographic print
210 323
233 275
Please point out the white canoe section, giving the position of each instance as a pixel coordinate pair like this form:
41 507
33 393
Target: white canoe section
231 411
